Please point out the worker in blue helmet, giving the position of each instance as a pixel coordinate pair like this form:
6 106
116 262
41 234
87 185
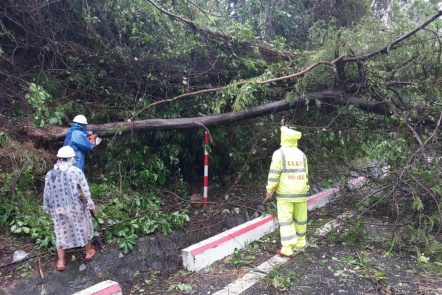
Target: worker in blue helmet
288 180
77 138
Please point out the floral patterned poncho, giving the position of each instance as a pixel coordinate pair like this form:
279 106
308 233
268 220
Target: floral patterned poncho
62 200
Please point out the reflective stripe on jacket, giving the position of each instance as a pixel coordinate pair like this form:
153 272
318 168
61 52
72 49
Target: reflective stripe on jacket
288 174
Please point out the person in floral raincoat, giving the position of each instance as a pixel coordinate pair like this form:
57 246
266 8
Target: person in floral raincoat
70 215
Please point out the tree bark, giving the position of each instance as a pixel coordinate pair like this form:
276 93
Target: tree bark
53 133
268 30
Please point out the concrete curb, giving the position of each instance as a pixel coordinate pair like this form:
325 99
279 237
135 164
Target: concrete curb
313 202
204 253
321 199
249 279
104 288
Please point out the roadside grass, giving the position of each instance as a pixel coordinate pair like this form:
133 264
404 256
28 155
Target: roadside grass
279 280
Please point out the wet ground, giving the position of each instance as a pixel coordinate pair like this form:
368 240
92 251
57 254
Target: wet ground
324 267
153 259
359 264
336 269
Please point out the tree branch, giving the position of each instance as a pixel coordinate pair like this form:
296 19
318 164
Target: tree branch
174 16
53 133
392 45
340 59
298 74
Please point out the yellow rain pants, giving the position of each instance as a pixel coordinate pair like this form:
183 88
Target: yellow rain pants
292 218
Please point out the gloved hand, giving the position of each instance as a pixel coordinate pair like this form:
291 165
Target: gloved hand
91 137
268 197
97 141
90 206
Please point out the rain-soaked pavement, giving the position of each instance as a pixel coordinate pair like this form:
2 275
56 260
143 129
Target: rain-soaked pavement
322 268
325 267
154 252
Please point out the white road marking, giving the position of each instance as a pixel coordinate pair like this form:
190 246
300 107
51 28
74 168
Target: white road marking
252 277
249 279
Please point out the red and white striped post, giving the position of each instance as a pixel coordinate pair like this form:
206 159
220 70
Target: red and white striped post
206 167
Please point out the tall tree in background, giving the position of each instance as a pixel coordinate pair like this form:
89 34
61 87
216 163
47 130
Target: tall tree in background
291 20
269 19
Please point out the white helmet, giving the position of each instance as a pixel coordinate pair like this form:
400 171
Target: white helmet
66 152
80 119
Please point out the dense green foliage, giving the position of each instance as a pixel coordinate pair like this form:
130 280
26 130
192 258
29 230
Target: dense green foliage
110 59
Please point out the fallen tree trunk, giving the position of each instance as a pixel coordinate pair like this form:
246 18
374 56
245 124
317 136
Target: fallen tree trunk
54 133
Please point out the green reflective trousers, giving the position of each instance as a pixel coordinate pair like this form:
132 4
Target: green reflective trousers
292 219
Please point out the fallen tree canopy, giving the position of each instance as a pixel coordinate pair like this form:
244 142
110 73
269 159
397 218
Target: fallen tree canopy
334 97
52 133
345 92
339 62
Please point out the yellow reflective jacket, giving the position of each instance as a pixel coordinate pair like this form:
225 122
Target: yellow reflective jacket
288 174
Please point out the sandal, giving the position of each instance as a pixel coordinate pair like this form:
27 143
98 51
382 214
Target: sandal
61 265
92 253
283 255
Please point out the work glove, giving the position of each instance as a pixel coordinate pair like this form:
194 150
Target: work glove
90 206
97 141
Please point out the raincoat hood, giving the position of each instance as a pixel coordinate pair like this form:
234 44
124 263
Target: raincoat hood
62 166
289 137
76 126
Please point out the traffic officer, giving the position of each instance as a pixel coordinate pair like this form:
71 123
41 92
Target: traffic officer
288 177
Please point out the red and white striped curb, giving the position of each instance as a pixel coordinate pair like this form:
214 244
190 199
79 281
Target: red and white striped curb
104 288
249 279
204 253
320 199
